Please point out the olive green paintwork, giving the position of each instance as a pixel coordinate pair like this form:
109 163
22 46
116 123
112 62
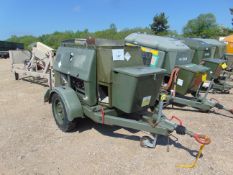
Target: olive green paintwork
229 58
105 62
128 84
137 85
219 47
78 63
176 53
215 66
201 49
70 100
164 126
187 76
203 105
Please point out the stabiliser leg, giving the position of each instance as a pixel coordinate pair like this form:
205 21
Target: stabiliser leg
147 142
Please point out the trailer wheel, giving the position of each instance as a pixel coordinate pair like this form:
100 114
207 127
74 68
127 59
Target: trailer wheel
16 76
60 114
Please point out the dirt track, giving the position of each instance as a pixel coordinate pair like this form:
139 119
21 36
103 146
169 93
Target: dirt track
31 143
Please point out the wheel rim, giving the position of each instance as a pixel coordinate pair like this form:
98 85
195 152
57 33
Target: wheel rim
59 112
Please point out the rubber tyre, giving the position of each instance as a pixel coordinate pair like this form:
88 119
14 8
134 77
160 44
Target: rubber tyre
60 114
16 76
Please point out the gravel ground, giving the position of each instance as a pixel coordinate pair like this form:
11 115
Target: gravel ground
31 143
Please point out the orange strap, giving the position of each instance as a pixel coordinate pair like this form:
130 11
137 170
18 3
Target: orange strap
172 78
202 139
179 120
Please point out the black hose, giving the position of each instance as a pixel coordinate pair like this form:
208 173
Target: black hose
181 130
219 106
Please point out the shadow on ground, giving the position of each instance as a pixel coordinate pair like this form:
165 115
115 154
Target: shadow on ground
111 131
38 81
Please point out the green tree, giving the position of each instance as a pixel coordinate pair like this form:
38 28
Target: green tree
225 31
203 26
110 33
54 39
160 24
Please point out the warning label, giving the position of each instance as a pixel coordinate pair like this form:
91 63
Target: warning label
146 101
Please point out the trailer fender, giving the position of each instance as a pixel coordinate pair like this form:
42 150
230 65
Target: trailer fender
70 99
47 96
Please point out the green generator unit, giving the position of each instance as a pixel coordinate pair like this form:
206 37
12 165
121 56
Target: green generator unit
190 77
163 52
216 66
203 52
201 49
111 75
218 47
176 55
107 82
182 76
129 81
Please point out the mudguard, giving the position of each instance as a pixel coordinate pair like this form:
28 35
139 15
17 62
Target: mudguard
70 99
